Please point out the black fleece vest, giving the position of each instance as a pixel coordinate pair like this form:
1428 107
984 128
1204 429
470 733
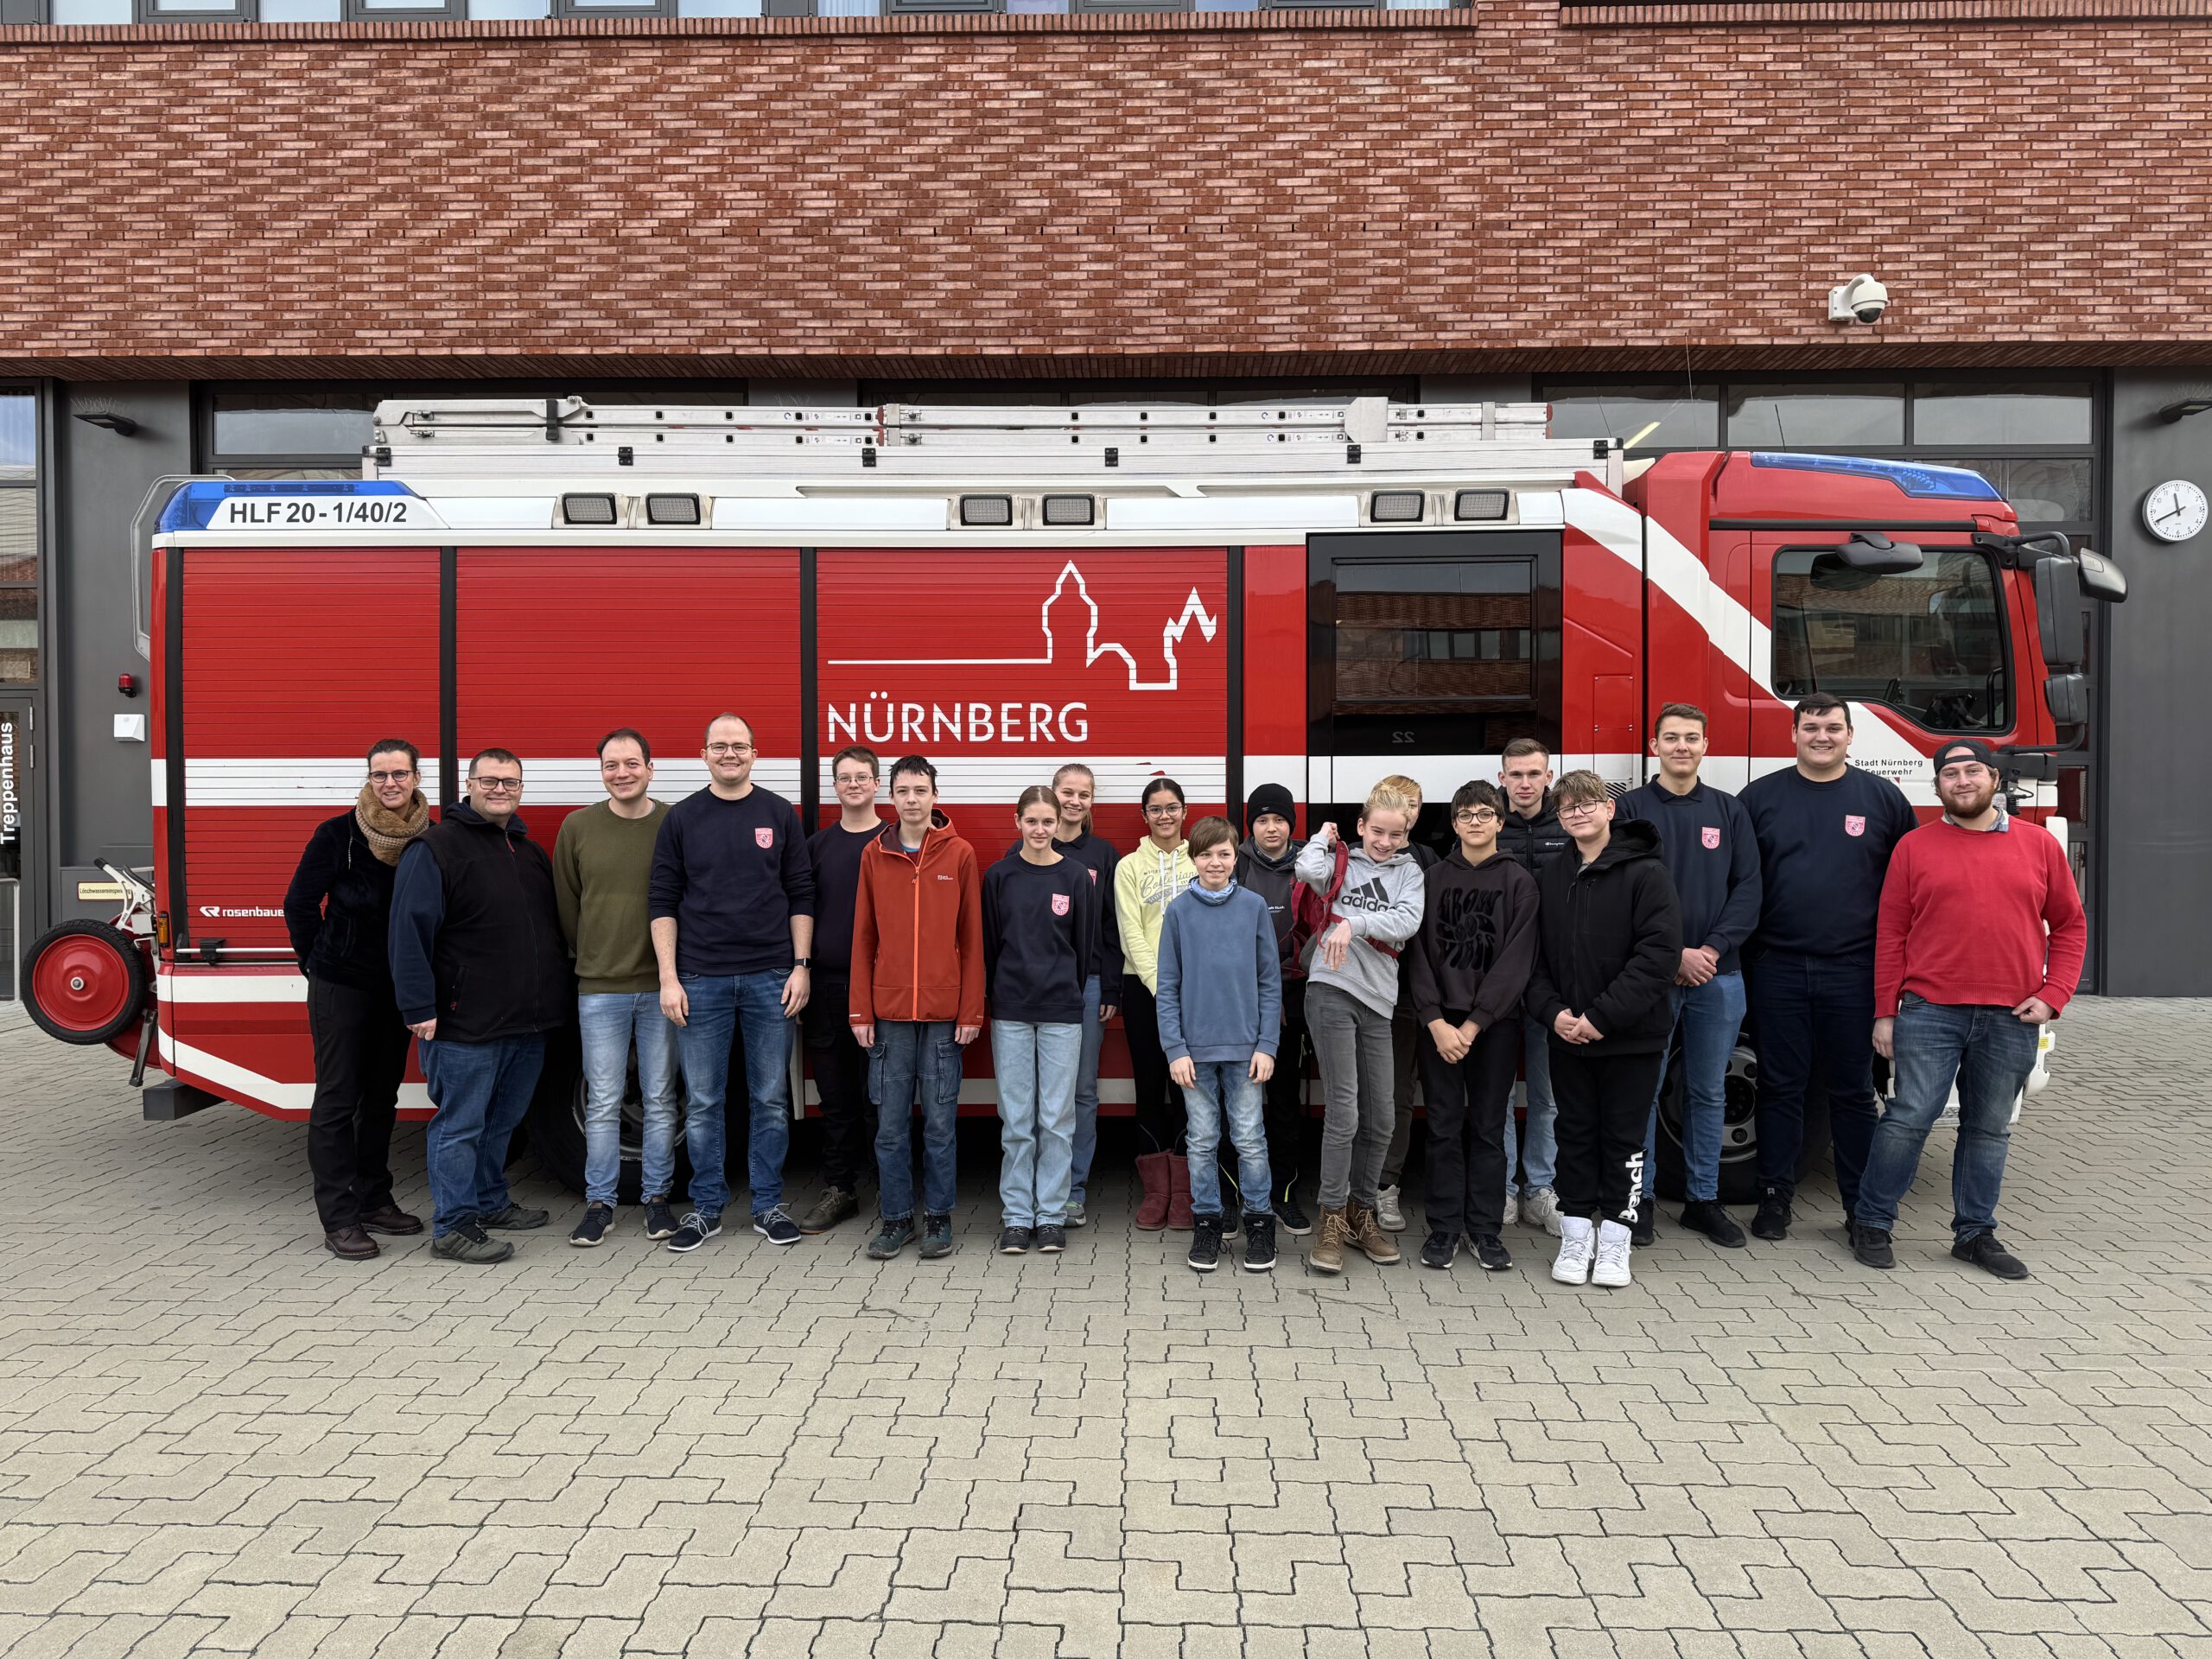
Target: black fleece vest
500 964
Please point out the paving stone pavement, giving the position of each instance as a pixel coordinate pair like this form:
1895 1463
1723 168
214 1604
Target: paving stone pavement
215 1438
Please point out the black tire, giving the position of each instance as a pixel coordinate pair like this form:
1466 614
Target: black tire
557 1123
96 982
1740 1145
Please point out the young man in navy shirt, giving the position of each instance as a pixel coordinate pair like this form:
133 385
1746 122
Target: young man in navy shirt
1707 844
1825 830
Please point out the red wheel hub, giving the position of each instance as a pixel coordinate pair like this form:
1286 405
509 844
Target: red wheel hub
81 983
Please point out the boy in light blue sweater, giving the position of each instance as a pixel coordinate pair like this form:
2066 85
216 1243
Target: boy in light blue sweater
1220 1009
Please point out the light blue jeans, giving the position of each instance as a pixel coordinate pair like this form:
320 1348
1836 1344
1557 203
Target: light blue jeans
608 1020
907 1050
1539 1132
1036 1066
1709 1017
1989 1052
1224 1088
720 1002
1086 1095
481 1091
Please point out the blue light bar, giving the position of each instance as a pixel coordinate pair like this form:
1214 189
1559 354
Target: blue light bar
194 506
1912 477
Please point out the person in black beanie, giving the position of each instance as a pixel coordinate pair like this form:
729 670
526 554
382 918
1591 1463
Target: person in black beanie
1265 866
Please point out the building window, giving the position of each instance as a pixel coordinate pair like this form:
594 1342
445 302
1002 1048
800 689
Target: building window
19 656
2056 413
1848 416
377 11
1930 645
614 8
195 11
1656 417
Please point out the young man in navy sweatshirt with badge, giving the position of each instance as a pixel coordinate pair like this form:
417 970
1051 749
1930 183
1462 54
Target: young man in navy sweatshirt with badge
1707 844
1825 830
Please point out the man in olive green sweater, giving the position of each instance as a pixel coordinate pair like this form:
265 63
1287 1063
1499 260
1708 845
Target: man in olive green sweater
602 863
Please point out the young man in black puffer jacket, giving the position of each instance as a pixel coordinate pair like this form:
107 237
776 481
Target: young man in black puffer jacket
1610 939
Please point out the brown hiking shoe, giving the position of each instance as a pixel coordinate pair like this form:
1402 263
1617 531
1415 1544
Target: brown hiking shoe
1328 1252
1365 1233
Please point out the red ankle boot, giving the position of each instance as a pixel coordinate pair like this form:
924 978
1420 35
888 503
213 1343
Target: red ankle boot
1151 1209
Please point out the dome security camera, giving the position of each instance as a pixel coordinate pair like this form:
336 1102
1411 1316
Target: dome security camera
1861 300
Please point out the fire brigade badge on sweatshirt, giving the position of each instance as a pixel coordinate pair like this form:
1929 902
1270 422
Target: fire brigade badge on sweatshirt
1710 836
766 836
1059 904
1853 824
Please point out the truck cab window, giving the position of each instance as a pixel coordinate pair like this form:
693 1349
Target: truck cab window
1931 644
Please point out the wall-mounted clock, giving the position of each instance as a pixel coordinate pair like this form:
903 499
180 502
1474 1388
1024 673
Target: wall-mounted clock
2174 510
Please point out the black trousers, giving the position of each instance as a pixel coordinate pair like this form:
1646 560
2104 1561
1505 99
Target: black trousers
1286 1090
361 1056
1160 1118
841 1073
1605 1104
1468 1100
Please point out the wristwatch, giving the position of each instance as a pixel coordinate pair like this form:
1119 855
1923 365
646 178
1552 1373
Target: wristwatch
803 962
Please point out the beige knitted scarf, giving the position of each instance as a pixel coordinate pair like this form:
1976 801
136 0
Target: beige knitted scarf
388 832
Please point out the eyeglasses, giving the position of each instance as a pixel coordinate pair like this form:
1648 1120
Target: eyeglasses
717 751
497 785
1476 815
391 776
1172 809
1582 809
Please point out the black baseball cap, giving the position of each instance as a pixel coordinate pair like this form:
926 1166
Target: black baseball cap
1964 748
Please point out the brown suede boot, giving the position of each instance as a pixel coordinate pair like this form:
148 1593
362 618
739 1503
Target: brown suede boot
1328 1253
1179 1193
1152 1209
1363 1232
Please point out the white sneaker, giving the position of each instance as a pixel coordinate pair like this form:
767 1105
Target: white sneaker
1612 1270
1512 1206
1540 1208
1387 1216
1577 1240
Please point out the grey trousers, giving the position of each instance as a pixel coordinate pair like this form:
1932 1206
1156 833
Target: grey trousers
1351 1043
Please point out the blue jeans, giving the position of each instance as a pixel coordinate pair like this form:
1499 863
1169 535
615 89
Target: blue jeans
907 1050
1086 1095
1540 1132
607 1021
1709 1016
719 1004
1036 1067
1226 1086
1815 1019
481 1091
1989 1052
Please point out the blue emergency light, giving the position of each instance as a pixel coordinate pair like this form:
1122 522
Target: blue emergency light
1912 477
193 506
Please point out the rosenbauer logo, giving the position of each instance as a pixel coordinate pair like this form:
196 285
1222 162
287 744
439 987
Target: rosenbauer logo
1068 612
220 911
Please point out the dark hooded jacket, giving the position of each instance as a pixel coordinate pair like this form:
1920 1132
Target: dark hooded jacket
1536 842
1275 880
1477 941
1610 939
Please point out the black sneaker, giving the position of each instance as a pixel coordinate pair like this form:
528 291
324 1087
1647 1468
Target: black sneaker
598 1217
1289 1217
937 1236
1490 1254
836 1203
775 1227
1077 1216
1205 1243
469 1242
660 1220
1016 1241
1259 1243
1050 1240
1985 1253
1647 1225
895 1237
1705 1215
696 1229
1439 1250
515 1219
1872 1246
1772 1220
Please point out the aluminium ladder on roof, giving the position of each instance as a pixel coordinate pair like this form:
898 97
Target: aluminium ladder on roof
1332 444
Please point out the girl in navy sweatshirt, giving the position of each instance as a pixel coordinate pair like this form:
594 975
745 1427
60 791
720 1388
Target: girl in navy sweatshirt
1040 931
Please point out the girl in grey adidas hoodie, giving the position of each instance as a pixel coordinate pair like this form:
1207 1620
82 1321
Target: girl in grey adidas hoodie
1352 987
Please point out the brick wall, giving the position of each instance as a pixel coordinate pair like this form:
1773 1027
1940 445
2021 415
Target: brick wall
1490 189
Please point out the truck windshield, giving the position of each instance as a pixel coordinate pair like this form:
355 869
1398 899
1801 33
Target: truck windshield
1931 644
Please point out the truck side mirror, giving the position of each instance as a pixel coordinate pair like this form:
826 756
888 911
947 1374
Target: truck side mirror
1875 554
2100 578
2068 697
2058 612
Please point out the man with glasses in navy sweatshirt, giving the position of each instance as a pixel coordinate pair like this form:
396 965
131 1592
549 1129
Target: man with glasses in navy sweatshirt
1825 830
1707 844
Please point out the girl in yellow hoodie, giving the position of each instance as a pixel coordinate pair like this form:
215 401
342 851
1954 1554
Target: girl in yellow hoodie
1145 882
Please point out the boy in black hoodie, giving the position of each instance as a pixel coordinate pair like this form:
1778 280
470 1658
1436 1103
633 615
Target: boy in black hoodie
1610 939
1467 967
1265 866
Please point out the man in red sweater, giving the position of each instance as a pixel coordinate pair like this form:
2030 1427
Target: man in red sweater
1980 942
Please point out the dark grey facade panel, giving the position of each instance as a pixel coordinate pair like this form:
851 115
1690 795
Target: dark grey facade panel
22 11
2156 816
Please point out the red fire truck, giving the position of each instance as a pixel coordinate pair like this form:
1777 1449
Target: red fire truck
1309 595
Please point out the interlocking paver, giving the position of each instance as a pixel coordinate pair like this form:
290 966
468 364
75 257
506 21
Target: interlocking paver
232 1443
